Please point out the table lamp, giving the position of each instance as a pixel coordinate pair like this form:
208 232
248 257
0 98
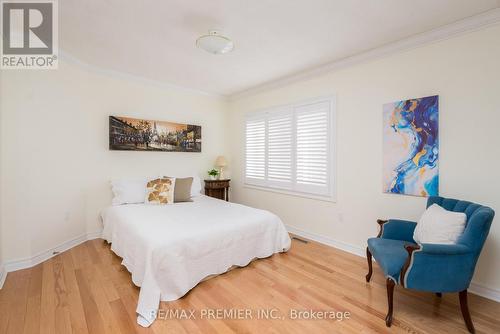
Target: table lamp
221 163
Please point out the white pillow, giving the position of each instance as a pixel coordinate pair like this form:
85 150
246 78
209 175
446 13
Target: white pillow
439 226
196 186
128 191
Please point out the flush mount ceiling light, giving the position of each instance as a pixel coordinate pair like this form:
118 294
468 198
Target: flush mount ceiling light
215 43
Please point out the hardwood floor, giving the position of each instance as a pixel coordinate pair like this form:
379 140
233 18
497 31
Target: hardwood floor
86 290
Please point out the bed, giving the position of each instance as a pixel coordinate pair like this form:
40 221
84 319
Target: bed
169 249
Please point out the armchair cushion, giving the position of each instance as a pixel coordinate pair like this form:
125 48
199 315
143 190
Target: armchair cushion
390 254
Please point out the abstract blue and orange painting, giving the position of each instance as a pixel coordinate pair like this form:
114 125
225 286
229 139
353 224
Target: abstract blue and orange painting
411 147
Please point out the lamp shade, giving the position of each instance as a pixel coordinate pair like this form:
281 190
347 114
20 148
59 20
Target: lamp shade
220 161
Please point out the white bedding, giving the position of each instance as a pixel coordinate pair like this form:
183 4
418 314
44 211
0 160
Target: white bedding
170 248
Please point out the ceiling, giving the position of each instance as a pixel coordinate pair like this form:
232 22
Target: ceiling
273 38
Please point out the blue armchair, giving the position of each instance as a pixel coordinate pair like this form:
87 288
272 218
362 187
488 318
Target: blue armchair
430 267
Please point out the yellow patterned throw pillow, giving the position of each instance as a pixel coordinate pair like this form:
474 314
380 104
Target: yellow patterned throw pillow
160 191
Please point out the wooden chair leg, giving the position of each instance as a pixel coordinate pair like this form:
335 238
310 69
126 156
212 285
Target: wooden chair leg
464 307
390 294
439 294
370 269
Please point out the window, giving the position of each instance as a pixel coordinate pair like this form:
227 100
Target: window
290 148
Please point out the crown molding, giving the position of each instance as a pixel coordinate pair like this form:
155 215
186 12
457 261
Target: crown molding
460 27
69 58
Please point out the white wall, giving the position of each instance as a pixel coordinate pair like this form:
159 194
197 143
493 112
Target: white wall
55 162
464 71
1 187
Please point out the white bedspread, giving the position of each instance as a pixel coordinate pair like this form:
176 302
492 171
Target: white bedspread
170 248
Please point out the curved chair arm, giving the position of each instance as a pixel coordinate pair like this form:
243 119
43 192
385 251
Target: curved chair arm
438 268
438 249
397 229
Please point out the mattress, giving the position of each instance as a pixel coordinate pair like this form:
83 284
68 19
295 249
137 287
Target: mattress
169 249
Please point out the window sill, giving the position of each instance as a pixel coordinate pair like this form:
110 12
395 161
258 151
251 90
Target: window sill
330 199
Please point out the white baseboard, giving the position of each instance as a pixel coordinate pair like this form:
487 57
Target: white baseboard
29 262
327 241
474 288
3 275
485 292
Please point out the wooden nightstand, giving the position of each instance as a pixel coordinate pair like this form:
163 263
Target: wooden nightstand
217 189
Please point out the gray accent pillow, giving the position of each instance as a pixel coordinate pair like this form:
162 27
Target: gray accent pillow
182 190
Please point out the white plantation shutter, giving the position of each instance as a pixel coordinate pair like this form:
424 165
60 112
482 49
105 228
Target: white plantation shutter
279 148
291 148
255 151
313 149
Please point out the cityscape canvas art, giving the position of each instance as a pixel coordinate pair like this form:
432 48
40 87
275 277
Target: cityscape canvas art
132 134
411 147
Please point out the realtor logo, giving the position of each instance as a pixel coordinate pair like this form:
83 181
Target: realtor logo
29 34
